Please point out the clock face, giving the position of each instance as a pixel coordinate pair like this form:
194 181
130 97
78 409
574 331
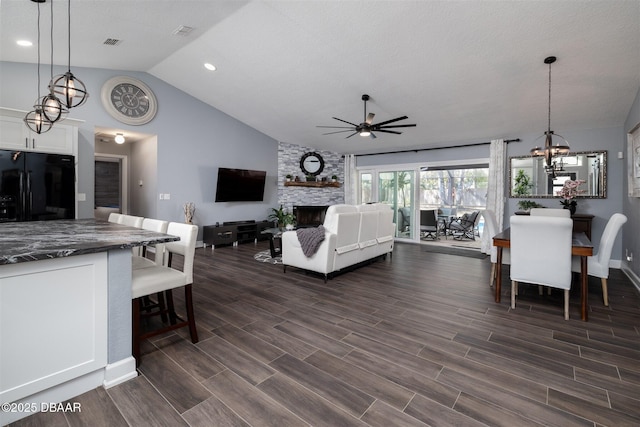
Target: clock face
312 163
129 100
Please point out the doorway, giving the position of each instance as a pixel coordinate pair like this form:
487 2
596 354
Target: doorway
110 187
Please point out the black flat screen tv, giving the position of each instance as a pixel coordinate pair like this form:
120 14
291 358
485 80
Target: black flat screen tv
240 185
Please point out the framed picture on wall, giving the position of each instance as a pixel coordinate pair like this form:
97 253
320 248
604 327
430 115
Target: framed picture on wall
633 165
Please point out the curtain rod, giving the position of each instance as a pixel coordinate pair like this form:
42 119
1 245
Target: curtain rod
437 148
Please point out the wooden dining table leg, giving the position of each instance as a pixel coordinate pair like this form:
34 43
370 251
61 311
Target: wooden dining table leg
584 288
499 273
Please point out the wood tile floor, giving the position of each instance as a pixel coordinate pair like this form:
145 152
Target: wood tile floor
413 341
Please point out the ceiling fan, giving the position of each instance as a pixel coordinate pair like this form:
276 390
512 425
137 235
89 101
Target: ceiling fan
366 128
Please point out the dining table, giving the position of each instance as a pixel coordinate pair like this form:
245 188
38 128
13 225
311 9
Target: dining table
581 246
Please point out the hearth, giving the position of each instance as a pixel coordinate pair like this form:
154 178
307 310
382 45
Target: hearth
309 216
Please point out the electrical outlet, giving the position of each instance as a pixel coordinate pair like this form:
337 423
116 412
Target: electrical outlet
167 196
628 255
161 196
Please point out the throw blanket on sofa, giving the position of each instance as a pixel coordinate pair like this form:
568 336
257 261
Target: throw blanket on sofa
310 239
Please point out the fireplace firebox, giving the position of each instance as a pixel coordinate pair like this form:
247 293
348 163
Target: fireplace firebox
309 216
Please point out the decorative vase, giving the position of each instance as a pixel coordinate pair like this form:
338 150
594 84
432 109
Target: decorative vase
572 205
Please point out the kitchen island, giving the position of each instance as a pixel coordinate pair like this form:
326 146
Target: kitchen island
65 310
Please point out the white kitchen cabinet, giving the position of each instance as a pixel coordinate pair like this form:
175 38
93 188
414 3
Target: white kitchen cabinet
62 138
53 324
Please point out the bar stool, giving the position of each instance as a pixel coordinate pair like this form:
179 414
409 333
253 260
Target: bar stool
164 278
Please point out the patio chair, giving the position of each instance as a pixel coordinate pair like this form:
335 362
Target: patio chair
465 227
404 220
429 224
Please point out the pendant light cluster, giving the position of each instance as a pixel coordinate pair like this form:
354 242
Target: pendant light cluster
65 90
550 151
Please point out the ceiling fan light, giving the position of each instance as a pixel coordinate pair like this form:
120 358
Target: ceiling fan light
365 133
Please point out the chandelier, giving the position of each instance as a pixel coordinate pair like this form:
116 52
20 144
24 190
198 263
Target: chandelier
65 91
551 152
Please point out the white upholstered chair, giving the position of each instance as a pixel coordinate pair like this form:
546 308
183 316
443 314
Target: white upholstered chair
491 227
141 261
541 254
131 221
563 213
164 278
598 264
115 217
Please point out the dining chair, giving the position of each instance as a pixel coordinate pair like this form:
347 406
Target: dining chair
541 254
563 213
491 227
598 264
164 278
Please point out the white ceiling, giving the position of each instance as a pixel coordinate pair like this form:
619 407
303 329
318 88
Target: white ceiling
461 70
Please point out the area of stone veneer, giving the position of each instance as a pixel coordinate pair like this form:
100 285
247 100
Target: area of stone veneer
289 163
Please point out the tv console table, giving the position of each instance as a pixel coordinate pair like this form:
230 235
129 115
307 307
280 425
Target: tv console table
234 232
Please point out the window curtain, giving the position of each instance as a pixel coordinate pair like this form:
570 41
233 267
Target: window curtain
495 188
350 180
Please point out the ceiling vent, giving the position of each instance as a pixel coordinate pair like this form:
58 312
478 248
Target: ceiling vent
112 42
182 30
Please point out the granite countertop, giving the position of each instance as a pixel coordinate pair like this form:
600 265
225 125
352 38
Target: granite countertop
38 240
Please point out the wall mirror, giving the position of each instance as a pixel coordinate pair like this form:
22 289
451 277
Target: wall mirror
529 179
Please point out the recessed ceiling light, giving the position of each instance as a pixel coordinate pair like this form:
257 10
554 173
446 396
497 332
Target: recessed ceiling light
25 43
210 67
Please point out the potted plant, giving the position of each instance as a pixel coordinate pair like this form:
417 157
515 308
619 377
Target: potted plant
334 178
569 192
526 205
289 177
281 217
311 178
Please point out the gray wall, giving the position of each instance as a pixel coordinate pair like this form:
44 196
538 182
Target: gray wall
194 139
631 205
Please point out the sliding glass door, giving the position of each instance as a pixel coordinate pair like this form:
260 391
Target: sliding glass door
396 189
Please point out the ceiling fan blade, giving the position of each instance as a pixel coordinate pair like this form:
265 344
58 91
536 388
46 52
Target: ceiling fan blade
398 126
344 121
390 121
372 135
389 131
355 133
338 131
336 127
369 118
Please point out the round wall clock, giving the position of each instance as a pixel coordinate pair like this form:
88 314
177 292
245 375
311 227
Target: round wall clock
129 100
311 163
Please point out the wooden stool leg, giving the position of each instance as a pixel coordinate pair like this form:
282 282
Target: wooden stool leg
171 307
190 314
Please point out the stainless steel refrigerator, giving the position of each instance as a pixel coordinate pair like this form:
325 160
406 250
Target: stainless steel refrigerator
36 186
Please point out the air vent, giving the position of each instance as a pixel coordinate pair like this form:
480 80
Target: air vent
112 42
182 30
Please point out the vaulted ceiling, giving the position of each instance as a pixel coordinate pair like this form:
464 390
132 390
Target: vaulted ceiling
461 70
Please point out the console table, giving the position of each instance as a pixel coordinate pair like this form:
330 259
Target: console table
234 232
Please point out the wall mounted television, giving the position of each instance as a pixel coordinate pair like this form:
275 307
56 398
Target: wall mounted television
240 185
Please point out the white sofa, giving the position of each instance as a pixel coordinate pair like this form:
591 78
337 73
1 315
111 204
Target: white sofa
353 234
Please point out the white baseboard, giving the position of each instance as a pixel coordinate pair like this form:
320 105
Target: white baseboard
632 276
119 372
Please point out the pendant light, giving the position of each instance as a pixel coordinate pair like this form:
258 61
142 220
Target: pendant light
35 119
52 108
68 87
551 151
